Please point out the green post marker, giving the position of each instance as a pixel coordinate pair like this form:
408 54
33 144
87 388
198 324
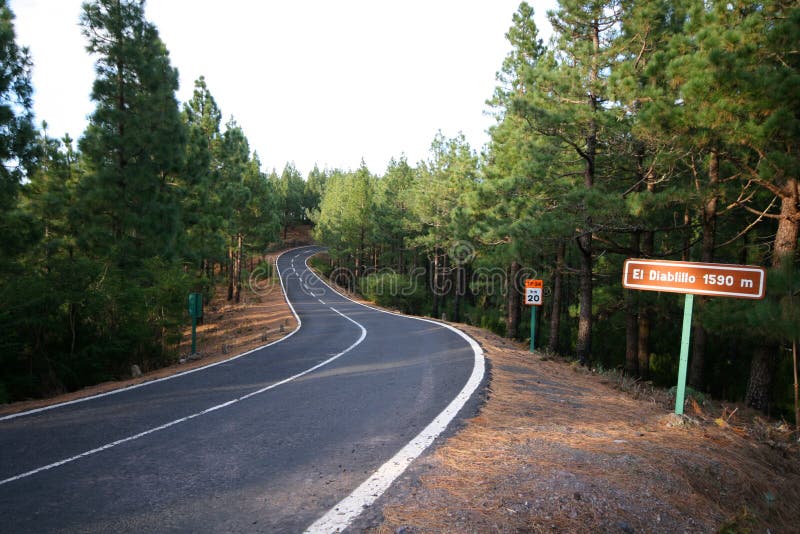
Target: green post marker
684 361
195 311
194 334
533 328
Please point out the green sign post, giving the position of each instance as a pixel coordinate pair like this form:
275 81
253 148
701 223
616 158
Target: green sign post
683 365
693 278
195 312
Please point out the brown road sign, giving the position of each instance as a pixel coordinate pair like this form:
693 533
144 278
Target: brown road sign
713 279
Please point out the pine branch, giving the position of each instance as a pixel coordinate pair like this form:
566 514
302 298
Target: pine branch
749 227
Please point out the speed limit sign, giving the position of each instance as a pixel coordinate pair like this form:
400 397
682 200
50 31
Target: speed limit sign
533 292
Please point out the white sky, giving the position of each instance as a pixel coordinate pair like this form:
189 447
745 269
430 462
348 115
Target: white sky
326 82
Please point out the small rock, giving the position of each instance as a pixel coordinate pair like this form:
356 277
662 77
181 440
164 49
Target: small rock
135 371
625 527
674 420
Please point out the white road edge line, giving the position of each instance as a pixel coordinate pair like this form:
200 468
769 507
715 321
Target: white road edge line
184 373
194 415
348 509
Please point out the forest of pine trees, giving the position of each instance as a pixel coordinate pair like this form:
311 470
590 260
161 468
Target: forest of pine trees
653 129
102 239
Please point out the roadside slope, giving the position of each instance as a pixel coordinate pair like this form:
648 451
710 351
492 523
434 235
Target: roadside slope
556 448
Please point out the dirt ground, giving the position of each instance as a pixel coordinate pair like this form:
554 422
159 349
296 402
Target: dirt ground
556 447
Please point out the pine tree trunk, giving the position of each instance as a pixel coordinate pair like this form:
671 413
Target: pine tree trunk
230 272
796 387
631 334
458 294
362 261
512 299
238 275
644 346
645 314
555 311
584 341
709 228
788 226
632 320
445 289
759 384
583 344
435 281
686 235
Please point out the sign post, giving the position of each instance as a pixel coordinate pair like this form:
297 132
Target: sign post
195 311
533 298
683 363
692 278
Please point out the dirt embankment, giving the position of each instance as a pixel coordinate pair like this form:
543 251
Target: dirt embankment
557 448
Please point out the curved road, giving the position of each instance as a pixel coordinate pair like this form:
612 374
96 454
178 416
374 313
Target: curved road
271 441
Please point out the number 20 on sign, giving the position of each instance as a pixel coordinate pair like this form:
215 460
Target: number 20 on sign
533 298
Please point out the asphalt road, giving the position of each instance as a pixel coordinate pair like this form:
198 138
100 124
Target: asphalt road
268 442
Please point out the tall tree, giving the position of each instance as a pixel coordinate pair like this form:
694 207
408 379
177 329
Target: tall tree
451 170
570 105
17 134
204 211
135 143
515 163
290 190
393 212
313 191
236 197
345 218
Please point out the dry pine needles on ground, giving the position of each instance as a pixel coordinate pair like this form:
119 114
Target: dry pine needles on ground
556 448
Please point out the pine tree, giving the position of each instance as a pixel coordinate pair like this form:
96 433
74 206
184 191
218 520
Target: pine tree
291 199
512 195
234 161
17 135
203 209
313 191
450 172
135 143
567 99
393 212
345 218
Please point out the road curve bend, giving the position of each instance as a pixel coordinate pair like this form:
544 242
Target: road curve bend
301 434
